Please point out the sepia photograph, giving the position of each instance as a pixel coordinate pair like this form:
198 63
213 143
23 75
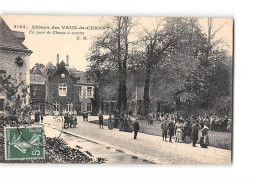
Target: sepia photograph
116 89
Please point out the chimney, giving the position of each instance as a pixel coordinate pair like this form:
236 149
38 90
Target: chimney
58 60
67 60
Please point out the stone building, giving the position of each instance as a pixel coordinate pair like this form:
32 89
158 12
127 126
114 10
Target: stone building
14 62
37 91
67 89
85 91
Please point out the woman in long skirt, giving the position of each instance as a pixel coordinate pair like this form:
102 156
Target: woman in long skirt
204 139
110 124
179 132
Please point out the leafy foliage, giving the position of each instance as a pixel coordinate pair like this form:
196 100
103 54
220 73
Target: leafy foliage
16 92
38 67
176 63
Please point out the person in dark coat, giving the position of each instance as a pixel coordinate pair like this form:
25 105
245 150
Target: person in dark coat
157 116
116 119
100 121
85 116
71 120
187 132
136 128
121 121
194 133
164 130
66 120
201 123
110 124
37 116
224 124
41 118
212 126
170 127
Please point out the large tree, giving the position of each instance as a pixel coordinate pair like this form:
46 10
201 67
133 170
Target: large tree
38 68
174 61
172 43
112 47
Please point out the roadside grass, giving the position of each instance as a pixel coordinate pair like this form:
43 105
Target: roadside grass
221 140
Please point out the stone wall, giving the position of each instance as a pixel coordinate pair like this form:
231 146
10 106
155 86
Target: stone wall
19 73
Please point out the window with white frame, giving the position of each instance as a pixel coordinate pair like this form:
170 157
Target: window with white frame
89 107
80 91
69 106
1 105
90 91
56 106
62 89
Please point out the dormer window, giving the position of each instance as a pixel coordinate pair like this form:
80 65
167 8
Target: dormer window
62 89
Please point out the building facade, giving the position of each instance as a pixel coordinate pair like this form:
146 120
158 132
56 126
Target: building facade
68 90
85 92
37 91
14 64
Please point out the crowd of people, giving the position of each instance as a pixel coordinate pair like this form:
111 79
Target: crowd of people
185 132
190 129
214 123
70 120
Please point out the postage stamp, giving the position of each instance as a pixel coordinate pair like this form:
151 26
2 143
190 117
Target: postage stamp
24 143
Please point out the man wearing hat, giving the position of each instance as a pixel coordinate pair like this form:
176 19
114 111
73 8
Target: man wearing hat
171 129
135 127
194 133
100 121
164 127
85 116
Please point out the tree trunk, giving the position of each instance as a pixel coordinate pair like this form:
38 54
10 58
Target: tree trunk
147 88
96 100
209 38
119 101
124 97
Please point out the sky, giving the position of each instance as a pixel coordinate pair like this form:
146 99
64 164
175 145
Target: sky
45 47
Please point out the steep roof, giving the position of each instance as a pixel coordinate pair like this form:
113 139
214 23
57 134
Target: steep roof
82 77
49 65
19 35
8 39
37 78
73 70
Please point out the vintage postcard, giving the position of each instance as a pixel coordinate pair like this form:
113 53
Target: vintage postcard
116 89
